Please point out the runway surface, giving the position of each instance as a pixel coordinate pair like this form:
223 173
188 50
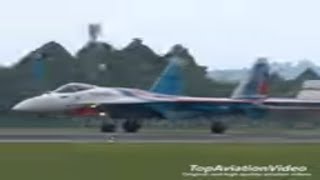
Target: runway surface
156 137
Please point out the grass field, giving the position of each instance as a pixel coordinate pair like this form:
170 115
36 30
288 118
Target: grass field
144 161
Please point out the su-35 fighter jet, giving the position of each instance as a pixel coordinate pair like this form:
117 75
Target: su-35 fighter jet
162 101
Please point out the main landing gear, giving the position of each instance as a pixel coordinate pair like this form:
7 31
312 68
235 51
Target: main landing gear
133 126
108 127
218 127
129 126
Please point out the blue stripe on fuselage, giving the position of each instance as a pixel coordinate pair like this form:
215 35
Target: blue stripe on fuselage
192 109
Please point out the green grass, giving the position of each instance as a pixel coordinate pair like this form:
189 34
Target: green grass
144 161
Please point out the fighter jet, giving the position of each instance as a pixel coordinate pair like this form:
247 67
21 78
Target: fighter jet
162 101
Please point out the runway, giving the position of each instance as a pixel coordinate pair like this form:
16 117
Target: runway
149 137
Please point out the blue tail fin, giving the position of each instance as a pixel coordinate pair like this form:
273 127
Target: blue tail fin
256 84
170 81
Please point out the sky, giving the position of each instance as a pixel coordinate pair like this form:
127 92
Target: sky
220 34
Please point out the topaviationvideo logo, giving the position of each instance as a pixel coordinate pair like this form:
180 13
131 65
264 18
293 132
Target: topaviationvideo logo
279 170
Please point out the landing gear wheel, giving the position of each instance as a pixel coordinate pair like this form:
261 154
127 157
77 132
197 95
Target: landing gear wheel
108 127
131 126
218 127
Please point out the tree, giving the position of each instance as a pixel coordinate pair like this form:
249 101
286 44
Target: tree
308 74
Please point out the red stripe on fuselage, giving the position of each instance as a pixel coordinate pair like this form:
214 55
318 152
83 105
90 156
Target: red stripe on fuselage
87 111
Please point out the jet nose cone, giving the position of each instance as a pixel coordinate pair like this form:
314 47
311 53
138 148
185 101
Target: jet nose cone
22 106
28 105
15 108
36 104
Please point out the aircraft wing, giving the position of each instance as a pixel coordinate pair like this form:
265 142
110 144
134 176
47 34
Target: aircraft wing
290 104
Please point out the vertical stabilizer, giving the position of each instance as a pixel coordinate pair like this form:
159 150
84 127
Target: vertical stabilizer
171 79
256 84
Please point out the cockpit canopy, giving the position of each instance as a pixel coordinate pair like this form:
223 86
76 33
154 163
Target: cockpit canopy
74 87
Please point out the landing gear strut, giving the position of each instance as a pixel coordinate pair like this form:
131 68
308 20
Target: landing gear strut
218 127
131 126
